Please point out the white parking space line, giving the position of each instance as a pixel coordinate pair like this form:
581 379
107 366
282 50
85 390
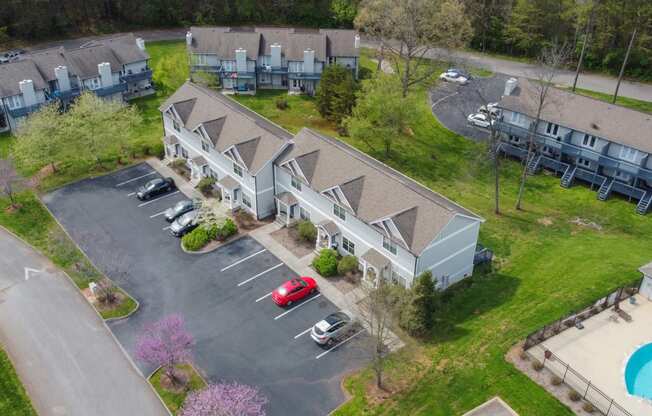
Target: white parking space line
302 333
131 194
298 306
339 344
241 260
135 179
263 297
259 274
167 228
157 199
157 214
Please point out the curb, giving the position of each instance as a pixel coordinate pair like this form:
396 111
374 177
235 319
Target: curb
222 244
149 378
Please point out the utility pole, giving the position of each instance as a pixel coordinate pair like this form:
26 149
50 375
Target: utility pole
622 68
587 36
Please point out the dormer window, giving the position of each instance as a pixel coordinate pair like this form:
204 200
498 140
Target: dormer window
296 183
389 245
205 146
175 125
339 212
589 141
237 169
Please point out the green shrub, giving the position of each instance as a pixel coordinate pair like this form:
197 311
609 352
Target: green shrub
555 380
588 407
196 239
212 232
416 315
307 231
347 264
537 365
227 229
178 163
326 262
574 396
281 103
205 185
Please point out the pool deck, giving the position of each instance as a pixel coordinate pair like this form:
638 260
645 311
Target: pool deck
600 351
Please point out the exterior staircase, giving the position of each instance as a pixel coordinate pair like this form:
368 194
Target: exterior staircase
645 203
605 189
568 176
533 164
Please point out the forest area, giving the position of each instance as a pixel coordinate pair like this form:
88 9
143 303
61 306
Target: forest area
518 28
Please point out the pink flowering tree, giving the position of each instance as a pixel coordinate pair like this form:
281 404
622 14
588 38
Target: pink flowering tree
225 399
165 344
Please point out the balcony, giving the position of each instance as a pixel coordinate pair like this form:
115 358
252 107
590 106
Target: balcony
139 76
271 70
304 75
66 95
24 111
206 68
114 89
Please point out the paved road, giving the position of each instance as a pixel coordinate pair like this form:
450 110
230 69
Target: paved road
63 352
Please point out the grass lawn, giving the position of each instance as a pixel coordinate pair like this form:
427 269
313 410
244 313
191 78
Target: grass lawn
640 105
173 400
13 399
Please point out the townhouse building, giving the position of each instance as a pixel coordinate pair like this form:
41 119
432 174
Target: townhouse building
580 139
246 59
396 227
115 68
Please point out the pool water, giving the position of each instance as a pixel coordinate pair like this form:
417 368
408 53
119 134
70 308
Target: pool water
638 372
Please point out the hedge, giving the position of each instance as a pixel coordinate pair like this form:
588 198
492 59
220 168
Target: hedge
196 239
326 262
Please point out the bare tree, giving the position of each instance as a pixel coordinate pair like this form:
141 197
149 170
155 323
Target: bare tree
414 31
10 181
548 65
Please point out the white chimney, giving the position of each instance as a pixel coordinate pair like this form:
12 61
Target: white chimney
309 61
27 89
106 78
188 38
140 42
241 60
356 41
61 73
510 86
276 55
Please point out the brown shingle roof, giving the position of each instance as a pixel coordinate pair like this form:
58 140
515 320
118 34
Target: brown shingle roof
125 48
83 61
223 42
341 42
612 122
12 73
378 191
48 59
240 124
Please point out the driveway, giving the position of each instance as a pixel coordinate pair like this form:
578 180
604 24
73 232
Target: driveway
63 353
452 103
224 295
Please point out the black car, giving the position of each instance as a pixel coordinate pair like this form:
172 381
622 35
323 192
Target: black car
179 209
155 187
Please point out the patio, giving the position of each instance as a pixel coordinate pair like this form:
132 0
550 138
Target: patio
599 352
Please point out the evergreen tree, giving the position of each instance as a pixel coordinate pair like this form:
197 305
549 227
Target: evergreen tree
336 93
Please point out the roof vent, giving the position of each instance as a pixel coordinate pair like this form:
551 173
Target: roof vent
595 126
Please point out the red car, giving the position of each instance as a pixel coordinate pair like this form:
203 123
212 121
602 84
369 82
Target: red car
294 290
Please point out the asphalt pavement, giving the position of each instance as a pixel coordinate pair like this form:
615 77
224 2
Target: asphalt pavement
66 357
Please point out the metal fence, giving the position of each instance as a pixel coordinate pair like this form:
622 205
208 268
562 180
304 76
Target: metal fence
575 318
603 403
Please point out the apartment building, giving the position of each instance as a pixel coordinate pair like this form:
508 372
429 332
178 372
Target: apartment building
246 59
396 227
581 139
115 68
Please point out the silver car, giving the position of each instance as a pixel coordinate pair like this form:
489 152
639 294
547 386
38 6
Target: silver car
184 224
181 207
332 328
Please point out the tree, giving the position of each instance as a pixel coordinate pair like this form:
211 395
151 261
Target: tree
416 319
411 30
335 93
381 113
378 309
165 343
42 140
548 65
10 181
225 399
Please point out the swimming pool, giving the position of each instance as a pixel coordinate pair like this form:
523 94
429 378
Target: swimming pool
638 372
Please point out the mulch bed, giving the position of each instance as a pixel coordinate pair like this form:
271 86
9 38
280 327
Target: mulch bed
247 222
289 238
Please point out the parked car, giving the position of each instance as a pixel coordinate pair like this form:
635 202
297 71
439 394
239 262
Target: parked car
11 56
332 328
490 109
155 187
184 224
181 207
454 77
294 290
480 120
461 72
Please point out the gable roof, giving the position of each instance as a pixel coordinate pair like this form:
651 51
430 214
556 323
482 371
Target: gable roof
12 73
374 190
83 61
223 41
184 109
256 139
125 48
48 59
588 115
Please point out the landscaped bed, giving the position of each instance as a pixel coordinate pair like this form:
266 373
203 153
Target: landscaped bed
174 396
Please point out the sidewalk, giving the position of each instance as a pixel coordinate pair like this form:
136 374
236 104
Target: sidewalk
348 301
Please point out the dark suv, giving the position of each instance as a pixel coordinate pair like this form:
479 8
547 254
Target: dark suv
155 187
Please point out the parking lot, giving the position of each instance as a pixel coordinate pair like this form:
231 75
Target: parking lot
452 103
224 296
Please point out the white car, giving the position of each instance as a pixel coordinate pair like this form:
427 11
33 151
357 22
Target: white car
480 120
491 108
454 77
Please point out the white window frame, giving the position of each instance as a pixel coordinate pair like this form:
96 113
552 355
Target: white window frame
246 201
205 146
623 176
304 214
589 141
296 183
628 153
552 129
389 245
94 84
237 169
176 126
339 212
14 102
584 162
348 246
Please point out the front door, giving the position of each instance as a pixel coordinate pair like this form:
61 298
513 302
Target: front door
293 211
236 195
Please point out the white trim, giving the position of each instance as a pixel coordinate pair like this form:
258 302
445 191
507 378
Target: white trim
458 252
451 235
210 162
341 226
